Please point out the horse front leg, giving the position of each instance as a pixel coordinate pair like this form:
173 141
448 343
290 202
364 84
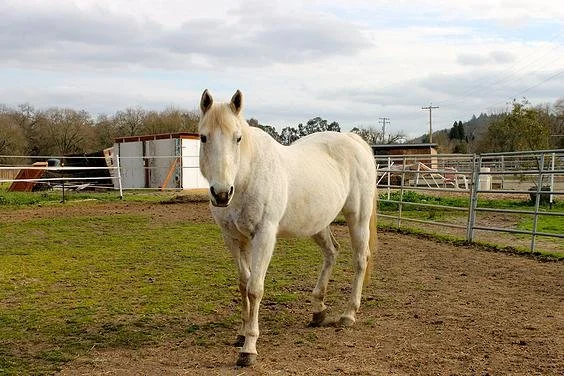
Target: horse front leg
241 256
262 247
243 263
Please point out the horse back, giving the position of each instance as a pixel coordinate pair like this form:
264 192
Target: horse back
325 171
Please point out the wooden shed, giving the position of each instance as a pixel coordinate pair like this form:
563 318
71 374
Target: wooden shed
408 149
169 160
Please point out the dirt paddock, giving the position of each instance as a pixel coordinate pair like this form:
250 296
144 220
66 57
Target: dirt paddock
431 309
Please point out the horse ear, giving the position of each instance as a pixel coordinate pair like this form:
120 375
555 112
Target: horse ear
206 101
237 102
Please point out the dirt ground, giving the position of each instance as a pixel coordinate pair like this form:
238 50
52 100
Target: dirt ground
431 309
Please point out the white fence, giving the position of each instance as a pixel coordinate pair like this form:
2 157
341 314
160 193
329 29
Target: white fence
110 171
26 173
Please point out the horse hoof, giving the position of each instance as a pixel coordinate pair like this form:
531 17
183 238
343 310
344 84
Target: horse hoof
240 341
346 321
246 359
318 319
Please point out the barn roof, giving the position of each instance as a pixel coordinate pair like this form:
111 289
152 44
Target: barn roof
160 136
403 146
402 149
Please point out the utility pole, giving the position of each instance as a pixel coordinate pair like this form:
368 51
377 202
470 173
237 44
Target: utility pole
430 108
383 121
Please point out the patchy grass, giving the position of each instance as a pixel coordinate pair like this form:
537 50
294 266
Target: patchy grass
545 223
70 284
453 201
410 210
19 199
487 246
124 281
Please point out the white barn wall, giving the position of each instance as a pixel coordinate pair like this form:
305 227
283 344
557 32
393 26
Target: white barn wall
160 152
131 163
192 178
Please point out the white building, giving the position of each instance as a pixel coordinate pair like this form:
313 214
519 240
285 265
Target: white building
160 161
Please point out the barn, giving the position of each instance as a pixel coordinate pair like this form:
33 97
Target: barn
404 149
417 150
160 161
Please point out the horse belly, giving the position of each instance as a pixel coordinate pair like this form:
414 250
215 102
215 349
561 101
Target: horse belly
306 215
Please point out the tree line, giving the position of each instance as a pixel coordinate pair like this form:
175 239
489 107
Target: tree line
28 131
523 127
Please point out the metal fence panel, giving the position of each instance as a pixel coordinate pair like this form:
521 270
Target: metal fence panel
538 175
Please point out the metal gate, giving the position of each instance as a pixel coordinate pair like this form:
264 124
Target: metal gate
477 181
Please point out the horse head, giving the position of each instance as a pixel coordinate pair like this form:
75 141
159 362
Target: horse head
221 129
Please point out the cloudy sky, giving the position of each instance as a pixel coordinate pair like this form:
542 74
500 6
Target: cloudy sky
351 61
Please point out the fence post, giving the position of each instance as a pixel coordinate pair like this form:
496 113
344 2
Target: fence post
63 180
537 203
502 169
119 177
476 163
389 172
552 162
401 191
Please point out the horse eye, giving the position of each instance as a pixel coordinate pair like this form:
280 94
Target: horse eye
238 139
203 138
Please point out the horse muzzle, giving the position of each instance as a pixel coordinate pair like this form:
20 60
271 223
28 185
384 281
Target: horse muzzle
221 198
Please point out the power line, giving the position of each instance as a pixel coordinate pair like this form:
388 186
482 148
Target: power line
536 85
510 75
430 108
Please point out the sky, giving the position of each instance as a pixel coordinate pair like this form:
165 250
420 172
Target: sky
350 61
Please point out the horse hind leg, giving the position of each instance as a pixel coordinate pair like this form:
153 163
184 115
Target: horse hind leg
329 246
359 229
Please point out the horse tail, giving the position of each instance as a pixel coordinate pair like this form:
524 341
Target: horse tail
373 239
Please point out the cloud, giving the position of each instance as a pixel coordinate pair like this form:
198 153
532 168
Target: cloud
350 61
70 36
477 59
471 59
502 57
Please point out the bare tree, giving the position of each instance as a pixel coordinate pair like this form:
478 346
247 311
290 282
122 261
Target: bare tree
130 122
375 136
169 121
65 131
105 131
12 138
28 119
371 135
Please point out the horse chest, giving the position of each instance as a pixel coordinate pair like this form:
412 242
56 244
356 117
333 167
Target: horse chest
238 220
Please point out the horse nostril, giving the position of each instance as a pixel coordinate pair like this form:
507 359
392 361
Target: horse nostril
231 191
212 192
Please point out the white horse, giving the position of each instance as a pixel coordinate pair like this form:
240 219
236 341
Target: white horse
260 189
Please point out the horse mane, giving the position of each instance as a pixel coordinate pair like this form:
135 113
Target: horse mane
221 116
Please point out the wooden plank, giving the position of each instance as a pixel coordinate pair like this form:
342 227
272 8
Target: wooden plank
170 173
26 173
